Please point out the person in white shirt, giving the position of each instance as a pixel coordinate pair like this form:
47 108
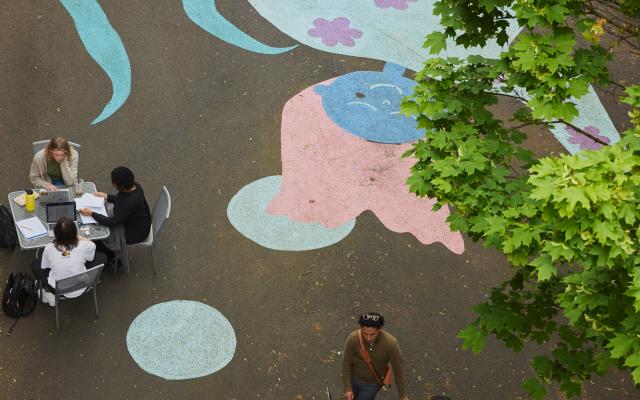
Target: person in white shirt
68 255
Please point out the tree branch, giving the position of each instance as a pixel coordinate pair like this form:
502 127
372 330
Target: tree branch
580 131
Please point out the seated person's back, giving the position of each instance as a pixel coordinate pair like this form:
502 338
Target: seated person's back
68 255
130 208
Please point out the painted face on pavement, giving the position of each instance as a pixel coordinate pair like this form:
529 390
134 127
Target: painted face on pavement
367 104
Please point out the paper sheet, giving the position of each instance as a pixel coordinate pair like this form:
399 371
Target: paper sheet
94 203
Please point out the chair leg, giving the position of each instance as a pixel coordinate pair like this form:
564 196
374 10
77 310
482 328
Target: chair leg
95 301
57 318
153 260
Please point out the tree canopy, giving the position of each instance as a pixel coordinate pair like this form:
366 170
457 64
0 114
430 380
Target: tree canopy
570 224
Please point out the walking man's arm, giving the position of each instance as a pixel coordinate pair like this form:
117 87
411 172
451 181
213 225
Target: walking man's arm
347 362
397 363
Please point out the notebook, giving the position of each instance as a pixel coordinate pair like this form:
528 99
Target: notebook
31 228
57 210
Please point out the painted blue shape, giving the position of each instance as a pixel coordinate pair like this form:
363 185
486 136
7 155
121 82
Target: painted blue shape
104 45
181 340
247 213
205 14
367 104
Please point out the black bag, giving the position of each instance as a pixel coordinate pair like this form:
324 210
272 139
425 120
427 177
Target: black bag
8 235
19 296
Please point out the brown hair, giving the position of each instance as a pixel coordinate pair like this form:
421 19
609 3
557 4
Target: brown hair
66 234
57 143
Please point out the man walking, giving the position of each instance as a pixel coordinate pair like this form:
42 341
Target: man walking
368 353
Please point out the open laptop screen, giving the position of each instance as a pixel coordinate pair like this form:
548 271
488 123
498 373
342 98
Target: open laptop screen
57 210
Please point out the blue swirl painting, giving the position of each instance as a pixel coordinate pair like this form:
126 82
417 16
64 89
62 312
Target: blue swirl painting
205 14
104 45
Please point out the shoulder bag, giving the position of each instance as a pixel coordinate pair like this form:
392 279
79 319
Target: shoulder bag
386 381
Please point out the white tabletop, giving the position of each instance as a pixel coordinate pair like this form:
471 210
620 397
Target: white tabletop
96 231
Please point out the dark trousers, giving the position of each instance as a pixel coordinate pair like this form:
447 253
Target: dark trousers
101 247
43 274
364 391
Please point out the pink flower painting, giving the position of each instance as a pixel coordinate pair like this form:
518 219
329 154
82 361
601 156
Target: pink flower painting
397 4
334 32
585 142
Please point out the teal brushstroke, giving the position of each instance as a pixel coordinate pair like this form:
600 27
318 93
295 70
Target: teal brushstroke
205 14
105 46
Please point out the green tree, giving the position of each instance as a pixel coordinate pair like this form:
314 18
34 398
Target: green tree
569 225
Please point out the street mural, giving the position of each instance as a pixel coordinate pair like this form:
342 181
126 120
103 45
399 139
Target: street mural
394 30
105 46
181 340
341 147
387 30
331 174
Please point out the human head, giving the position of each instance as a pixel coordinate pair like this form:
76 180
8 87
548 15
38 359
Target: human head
66 233
122 178
370 325
57 149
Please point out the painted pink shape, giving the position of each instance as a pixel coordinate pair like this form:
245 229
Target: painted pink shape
585 142
334 32
330 176
397 4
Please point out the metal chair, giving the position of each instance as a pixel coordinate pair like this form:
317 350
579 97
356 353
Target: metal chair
161 212
85 281
41 144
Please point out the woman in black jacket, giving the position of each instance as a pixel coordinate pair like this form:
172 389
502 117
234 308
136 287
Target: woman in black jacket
130 208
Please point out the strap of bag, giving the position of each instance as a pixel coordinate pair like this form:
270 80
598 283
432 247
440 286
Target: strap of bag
367 359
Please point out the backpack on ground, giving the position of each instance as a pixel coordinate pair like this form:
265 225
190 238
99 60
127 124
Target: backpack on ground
8 235
19 296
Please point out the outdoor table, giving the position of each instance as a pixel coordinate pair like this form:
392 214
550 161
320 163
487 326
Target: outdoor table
96 231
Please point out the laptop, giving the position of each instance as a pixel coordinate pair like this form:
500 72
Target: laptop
57 210
58 196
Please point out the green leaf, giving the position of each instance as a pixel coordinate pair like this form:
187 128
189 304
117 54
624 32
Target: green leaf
535 388
544 267
436 42
620 345
473 339
635 374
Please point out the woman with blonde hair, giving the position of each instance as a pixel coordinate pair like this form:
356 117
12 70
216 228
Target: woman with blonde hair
55 165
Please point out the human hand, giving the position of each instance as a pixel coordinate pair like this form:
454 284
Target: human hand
100 194
52 188
348 395
86 211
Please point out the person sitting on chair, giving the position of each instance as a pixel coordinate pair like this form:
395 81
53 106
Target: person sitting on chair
68 255
129 209
55 165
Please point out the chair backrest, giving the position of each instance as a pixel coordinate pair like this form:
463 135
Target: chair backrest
41 144
161 211
83 280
